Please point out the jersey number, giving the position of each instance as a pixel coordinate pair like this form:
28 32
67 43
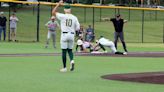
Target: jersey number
69 22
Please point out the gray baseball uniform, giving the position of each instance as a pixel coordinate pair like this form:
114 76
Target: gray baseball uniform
52 26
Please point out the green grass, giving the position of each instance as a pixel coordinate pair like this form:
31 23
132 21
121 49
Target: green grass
11 47
40 74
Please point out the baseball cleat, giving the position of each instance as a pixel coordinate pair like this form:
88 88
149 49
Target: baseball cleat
125 53
72 65
63 70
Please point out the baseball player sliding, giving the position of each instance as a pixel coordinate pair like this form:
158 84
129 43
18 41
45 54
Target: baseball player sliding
69 24
84 45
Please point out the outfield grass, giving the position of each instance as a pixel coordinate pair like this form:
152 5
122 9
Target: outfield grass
40 74
12 47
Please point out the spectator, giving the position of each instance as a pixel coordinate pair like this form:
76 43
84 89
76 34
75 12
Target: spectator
89 34
3 21
81 32
13 26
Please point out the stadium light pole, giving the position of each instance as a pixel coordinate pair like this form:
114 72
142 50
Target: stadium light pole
38 20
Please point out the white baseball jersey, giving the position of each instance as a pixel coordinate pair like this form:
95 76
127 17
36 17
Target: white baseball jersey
106 42
69 24
86 44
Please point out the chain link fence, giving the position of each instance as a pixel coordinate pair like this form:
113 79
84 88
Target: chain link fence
143 25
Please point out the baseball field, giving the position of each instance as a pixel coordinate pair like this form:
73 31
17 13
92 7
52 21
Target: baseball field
29 67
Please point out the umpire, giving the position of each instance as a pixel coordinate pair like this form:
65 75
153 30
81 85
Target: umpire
118 23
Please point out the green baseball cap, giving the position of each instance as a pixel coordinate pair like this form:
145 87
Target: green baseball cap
67 6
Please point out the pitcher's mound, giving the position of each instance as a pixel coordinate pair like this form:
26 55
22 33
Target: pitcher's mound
148 77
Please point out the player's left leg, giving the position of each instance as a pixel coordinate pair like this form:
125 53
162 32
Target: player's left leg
102 47
4 33
70 47
116 34
64 46
11 36
54 39
15 31
0 31
70 53
123 42
112 47
64 59
48 38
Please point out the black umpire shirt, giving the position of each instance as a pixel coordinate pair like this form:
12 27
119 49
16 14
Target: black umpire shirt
118 24
3 21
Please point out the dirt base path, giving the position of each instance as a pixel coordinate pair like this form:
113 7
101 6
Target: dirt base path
130 54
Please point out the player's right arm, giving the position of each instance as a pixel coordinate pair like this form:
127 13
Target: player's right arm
54 11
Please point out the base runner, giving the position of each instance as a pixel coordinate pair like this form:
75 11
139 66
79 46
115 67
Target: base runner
84 45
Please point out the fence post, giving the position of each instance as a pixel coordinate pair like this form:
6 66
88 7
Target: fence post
163 29
51 10
9 22
38 20
84 14
118 11
156 13
129 16
143 26
93 18
100 14
115 12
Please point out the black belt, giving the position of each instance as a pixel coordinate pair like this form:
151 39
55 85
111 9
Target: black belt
67 32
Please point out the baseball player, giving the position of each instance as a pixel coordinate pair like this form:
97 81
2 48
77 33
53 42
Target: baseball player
52 26
103 42
69 24
84 45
